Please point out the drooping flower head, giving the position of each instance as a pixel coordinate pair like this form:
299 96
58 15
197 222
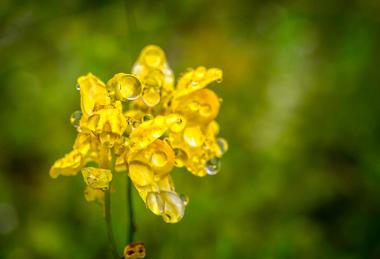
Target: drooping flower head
165 126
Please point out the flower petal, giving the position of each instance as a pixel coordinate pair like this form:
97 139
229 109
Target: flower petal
70 164
97 178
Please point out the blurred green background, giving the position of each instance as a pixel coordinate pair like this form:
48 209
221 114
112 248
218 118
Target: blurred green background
301 112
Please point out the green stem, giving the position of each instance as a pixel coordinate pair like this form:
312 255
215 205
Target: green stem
131 41
111 238
131 228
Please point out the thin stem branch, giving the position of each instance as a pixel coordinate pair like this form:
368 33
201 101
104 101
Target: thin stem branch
131 228
111 239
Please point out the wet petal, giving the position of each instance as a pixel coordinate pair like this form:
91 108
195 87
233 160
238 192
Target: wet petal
197 79
70 164
93 94
97 178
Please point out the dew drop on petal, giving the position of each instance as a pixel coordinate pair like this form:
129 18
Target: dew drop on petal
194 105
77 87
155 203
75 118
159 159
223 145
180 157
154 56
213 166
174 208
128 87
151 96
205 110
193 136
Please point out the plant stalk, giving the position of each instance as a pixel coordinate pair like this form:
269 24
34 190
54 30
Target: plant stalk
131 228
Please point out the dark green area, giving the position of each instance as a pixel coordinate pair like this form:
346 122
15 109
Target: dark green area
301 112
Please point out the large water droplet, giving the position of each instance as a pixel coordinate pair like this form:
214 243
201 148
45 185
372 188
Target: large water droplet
174 208
77 87
193 136
153 56
75 118
151 96
155 203
213 166
159 159
223 145
128 87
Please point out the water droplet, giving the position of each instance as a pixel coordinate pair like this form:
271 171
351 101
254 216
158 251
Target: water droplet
75 118
177 122
127 87
205 110
159 159
155 203
199 73
194 105
153 56
151 96
77 87
185 199
174 208
213 166
193 136
219 80
180 157
223 145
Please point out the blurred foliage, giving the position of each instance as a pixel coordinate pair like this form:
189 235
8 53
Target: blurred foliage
301 114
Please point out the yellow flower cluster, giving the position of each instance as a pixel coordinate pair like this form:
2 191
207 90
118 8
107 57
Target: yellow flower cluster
142 124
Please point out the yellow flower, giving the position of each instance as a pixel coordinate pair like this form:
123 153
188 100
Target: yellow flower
165 126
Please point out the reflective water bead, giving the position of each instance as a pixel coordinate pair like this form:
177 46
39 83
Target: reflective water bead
154 79
174 208
176 121
75 118
155 203
223 145
199 73
180 157
213 166
194 105
151 96
159 159
77 87
153 56
205 110
193 136
127 87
